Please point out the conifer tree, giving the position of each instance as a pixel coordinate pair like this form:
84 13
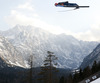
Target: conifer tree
86 72
98 66
76 77
49 68
94 67
30 71
70 78
29 75
62 80
80 75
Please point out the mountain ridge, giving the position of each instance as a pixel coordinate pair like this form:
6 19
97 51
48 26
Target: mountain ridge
30 40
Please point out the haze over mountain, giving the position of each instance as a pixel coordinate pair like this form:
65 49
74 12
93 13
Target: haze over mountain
29 40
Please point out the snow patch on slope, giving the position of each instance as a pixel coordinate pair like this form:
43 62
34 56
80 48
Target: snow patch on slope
96 81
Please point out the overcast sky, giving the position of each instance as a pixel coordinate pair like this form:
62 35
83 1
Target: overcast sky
83 24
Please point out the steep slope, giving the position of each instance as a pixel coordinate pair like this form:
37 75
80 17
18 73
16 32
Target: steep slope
93 56
9 55
34 41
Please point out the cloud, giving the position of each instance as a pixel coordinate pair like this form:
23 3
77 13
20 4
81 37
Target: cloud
18 17
22 17
91 35
27 6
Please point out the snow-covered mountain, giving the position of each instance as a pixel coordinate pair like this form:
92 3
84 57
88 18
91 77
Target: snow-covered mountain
9 54
29 40
93 56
